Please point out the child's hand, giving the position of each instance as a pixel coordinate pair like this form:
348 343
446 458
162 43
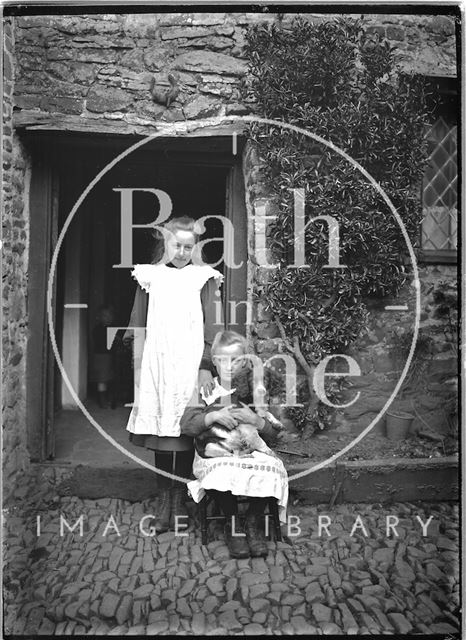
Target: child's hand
247 415
223 417
206 382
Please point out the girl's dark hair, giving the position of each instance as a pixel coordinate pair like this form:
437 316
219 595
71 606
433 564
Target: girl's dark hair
183 223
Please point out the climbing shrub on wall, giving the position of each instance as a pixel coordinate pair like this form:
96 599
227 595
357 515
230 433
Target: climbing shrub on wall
339 82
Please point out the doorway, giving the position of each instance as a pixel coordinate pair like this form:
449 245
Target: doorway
202 178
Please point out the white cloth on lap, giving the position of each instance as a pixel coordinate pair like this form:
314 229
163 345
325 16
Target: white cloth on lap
259 476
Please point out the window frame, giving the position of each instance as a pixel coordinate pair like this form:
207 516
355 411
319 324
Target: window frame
442 87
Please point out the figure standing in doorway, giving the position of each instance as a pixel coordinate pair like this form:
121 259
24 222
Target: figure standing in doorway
179 315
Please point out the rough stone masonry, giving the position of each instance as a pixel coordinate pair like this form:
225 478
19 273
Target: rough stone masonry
92 73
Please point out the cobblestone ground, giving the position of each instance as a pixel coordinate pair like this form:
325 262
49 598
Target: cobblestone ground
308 584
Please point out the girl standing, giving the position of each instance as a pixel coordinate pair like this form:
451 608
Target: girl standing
179 324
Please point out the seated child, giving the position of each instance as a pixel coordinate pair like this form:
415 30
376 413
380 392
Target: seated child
232 443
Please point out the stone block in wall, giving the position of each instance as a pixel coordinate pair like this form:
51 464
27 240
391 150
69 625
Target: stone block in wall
173 115
266 330
259 189
126 79
395 33
31 61
261 313
28 84
102 42
208 18
37 35
225 30
7 30
27 102
213 43
442 25
262 275
151 110
60 53
201 107
222 90
250 156
188 31
132 59
250 18
7 67
72 71
17 304
214 77
99 56
101 99
176 19
190 79
16 355
210 62
144 25
156 58
62 105
267 348
92 24
237 109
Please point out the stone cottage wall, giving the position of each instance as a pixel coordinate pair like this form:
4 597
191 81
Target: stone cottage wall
431 394
16 173
97 70
93 74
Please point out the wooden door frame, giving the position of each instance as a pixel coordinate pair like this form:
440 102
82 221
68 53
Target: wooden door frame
43 210
40 361
236 290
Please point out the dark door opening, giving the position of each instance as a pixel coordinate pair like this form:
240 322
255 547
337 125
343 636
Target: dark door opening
202 178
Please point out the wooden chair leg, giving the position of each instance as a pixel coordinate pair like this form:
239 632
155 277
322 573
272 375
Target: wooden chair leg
203 520
273 508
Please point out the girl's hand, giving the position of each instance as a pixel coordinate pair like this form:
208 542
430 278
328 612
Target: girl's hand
206 382
223 417
247 415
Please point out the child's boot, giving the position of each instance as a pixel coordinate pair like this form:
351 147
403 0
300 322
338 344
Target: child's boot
255 537
163 511
235 538
178 507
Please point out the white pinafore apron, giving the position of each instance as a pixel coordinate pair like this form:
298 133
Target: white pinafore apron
173 347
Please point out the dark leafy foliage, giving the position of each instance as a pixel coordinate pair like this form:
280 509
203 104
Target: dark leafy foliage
340 83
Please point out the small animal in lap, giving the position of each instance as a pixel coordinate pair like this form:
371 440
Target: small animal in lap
241 441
